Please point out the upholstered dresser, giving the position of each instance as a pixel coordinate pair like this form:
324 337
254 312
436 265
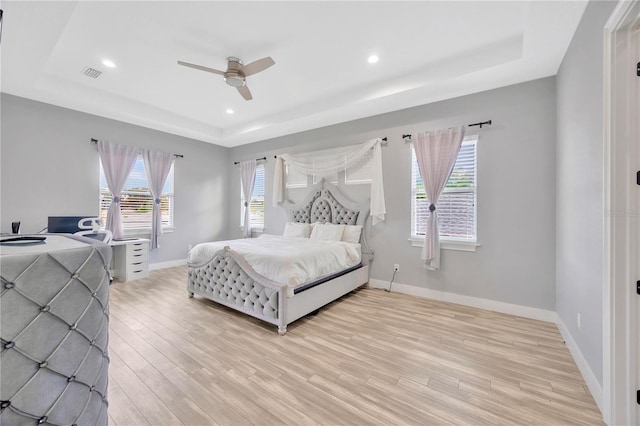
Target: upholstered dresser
54 313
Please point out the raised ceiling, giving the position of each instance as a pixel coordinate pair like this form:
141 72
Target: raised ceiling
428 51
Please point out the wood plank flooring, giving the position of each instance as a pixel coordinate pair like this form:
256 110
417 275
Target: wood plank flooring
370 358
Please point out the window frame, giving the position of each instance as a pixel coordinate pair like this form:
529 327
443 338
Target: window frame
294 185
341 177
132 231
367 180
449 242
262 167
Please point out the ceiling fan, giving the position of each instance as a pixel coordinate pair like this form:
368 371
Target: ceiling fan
237 72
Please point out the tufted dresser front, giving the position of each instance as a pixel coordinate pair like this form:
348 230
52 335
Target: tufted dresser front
54 310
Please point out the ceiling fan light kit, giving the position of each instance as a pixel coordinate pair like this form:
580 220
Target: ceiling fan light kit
234 80
234 76
236 72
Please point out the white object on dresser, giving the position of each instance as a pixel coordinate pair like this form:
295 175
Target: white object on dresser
130 259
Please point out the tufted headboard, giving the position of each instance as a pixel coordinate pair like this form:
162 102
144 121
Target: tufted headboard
327 204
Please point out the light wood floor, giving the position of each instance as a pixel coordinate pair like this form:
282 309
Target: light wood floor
369 358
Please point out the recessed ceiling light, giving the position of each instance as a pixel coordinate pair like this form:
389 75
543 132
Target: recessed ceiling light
108 63
373 59
230 111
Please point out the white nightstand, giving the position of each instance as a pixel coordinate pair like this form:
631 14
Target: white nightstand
130 259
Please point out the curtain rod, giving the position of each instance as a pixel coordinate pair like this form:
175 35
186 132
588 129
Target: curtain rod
407 138
93 140
257 159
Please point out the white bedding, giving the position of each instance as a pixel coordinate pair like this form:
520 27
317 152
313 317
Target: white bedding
286 260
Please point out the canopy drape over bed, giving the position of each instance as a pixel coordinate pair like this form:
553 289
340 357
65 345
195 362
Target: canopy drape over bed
326 162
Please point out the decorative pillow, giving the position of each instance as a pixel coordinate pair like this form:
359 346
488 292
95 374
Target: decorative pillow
302 230
327 231
352 233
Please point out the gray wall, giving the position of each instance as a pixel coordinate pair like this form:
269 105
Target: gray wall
49 167
516 192
580 206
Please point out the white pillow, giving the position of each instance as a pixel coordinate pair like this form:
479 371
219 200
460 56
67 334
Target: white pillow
302 230
327 231
351 233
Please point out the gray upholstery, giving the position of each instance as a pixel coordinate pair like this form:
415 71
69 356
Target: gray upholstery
321 211
323 207
223 280
303 214
228 279
54 336
327 204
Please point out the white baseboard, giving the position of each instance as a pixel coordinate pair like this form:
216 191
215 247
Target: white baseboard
476 302
581 362
169 264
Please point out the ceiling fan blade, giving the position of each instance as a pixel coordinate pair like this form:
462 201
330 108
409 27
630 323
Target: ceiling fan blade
257 66
201 68
245 92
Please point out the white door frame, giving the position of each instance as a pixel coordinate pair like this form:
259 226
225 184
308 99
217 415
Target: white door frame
621 228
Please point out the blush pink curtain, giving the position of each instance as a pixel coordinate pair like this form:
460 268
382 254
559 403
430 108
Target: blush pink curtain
248 179
436 153
157 166
117 163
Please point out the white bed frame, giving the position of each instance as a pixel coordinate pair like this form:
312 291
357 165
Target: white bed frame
228 279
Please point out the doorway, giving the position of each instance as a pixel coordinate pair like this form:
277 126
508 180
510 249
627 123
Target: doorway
635 329
621 309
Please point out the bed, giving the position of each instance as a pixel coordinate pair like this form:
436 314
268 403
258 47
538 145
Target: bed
280 288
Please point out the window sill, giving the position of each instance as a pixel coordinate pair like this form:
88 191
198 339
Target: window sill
131 232
448 244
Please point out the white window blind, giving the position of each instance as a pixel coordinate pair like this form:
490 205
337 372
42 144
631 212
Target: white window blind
256 204
296 179
361 172
136 202
332 178
457 205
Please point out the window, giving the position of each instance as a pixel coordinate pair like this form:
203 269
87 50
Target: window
332 178
256 204
136 201
295 179
457 205
361 172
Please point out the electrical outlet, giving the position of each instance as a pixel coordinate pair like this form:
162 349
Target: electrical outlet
396 267
579 322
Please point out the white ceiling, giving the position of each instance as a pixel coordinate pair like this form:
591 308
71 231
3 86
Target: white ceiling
428 51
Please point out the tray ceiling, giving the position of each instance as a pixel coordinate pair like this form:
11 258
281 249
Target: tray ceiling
428 51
